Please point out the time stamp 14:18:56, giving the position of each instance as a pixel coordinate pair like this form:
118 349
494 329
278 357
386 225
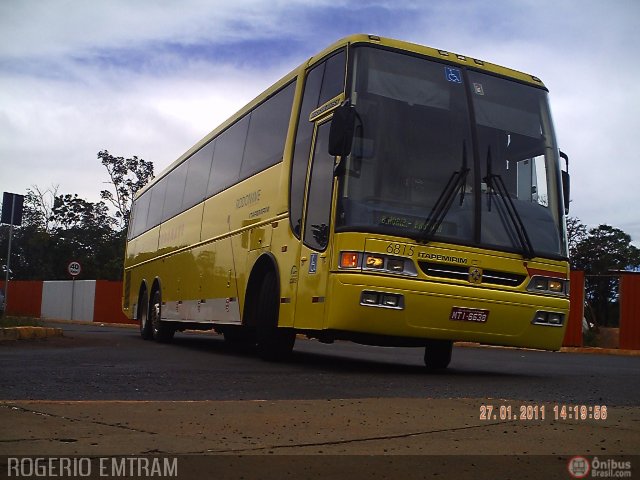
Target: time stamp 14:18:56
542 412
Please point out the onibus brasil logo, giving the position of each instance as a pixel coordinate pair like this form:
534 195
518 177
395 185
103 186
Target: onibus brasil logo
580 467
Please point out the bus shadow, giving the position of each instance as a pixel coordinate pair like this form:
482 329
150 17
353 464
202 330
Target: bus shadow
336 362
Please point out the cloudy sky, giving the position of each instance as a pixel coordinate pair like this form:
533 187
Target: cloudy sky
151 77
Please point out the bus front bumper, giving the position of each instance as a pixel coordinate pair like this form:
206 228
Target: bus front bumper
365 304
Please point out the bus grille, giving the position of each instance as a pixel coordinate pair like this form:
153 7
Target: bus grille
456 272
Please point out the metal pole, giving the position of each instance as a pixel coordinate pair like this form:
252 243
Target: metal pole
73 294
6 275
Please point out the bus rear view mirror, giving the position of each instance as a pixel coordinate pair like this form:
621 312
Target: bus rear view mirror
566 184
341 132
566 187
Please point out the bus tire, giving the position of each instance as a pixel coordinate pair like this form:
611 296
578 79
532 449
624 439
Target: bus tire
162 331
437 354
274 343
143 316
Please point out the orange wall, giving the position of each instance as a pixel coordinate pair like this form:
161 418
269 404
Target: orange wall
25 297
107 307
573 333
630 311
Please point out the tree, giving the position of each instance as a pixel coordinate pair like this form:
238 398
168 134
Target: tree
75 229
59 227
38 206
600 252
605 248
71 211
576 233
128 175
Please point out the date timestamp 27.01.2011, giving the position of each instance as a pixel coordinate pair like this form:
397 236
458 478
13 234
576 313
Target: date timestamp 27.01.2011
533 412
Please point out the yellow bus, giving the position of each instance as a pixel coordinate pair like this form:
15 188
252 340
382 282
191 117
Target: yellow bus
383 192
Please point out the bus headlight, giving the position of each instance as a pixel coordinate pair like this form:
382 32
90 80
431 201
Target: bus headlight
377 262
374 261
555 286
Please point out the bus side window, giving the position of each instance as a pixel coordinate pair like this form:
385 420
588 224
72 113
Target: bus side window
198 176
333 79
157 202
316 231
174 192
140 211
227 156
267 132
323 82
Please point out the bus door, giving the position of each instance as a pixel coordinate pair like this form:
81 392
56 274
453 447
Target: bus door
315 253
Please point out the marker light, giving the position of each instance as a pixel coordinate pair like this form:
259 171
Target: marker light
349 260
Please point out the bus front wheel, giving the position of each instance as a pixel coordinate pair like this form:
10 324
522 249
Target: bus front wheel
273 343
437 354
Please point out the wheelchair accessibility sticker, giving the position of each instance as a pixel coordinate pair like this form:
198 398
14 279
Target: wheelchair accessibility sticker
453 74
313 263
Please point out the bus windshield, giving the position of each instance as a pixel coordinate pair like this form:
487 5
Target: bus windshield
448 154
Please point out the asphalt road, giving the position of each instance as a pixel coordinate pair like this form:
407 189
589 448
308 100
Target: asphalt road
107 363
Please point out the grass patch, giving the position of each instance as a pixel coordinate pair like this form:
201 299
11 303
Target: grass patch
13 321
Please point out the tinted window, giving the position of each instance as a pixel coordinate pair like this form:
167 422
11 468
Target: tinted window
157 201
228 156
199 166
174 192
302 147
333 80
316 231
332 86
140 210
267 132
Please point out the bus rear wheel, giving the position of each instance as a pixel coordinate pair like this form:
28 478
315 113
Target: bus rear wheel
437 354
162 331
274 343
143 315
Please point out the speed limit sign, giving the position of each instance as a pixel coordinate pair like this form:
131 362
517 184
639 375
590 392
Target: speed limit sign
74 268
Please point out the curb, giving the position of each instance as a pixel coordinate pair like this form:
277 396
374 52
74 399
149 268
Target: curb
601 351
28 333
88 322
585 350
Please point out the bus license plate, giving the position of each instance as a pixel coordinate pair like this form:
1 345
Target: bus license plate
469 314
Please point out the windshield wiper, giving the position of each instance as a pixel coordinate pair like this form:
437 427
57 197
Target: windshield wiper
495 183
457 182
